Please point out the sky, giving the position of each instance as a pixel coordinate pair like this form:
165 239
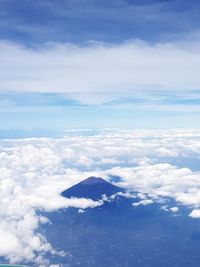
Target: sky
99 64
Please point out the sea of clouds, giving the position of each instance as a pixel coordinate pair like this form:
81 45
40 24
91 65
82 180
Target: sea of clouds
34 171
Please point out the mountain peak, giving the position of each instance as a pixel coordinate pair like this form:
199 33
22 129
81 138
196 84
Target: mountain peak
92 187
94 180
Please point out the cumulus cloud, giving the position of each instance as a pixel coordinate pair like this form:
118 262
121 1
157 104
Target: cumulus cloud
174 209
35 171
143 202
195 213
163 180
117 69
9 241
83 203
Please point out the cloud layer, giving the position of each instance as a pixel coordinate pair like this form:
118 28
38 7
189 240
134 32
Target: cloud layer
86 72
34 171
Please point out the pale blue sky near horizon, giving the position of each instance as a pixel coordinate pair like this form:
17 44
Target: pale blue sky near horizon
97 64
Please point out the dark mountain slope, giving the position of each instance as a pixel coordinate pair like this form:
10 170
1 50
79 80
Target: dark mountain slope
93 188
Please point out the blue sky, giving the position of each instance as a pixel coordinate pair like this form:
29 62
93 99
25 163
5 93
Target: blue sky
96 64
30 22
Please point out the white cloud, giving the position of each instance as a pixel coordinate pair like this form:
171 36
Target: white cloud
174 209
83 203
81 211
9 241
165 208
195 213
127 69
143 202
163 180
